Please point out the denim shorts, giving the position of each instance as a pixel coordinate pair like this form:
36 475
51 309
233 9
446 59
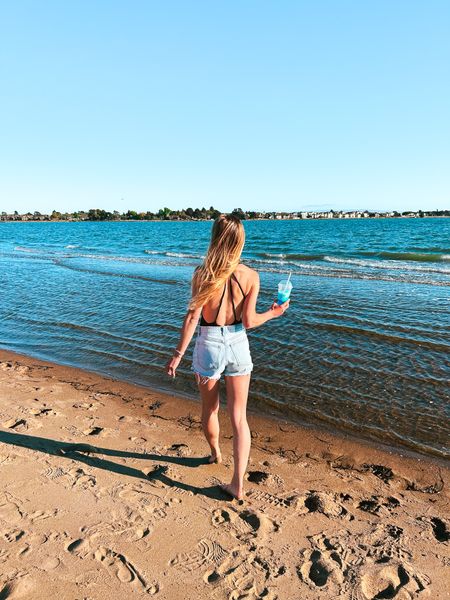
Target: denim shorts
220 350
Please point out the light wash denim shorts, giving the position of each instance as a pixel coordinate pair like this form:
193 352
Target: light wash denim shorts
220 350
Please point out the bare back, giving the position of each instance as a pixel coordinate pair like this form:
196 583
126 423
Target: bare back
219 309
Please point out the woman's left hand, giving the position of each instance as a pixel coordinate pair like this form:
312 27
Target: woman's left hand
172 365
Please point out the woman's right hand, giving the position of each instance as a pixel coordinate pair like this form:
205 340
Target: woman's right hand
279 309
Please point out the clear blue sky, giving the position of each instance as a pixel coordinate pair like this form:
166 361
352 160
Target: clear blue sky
263 105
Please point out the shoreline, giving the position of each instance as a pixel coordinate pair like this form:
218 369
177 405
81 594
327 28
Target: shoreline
211 220
106 491
273 419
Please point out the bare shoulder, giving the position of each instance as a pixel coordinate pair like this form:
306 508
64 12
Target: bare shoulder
247 276
247 271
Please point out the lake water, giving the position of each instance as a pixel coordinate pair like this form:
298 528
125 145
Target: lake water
363 348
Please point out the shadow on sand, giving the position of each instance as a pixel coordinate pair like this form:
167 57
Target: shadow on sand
82 452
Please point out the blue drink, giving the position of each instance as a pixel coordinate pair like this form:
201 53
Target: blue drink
284 291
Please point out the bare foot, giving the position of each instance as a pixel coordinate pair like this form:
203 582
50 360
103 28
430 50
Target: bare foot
215 458
232 491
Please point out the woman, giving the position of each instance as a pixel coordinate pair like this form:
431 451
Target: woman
224 295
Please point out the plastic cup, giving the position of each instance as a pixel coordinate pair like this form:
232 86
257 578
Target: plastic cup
284 291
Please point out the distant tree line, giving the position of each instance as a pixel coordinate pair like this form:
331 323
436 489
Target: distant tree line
163 214
211 213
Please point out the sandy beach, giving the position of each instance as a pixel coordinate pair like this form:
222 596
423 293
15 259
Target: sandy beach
106 492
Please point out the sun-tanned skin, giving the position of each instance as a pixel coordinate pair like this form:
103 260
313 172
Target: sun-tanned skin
237 387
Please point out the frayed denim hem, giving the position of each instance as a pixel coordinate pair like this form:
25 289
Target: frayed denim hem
246 372
202 379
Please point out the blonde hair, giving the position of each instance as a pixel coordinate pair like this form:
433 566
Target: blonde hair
222 258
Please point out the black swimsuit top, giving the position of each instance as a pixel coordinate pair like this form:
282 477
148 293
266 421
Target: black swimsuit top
236 320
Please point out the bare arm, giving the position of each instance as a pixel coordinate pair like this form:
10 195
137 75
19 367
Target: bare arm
250 317
188 327
190 321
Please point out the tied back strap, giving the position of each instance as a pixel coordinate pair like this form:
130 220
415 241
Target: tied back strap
232 301
237 281
220 303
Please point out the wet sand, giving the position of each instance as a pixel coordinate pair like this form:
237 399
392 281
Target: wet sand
106 493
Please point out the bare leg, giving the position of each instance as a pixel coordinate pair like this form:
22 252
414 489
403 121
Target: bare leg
237 393
209 393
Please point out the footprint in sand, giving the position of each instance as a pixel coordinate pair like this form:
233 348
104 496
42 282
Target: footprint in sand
73 478
125 419
280 503
268 480
32 541
376 505
138 440
3 557
11 510
5 459
130 527
180 449
16 424
22 586
326 503
80 548
257 476
205 552
41 412
12 535
245 575
16 367
82 480
392 580
438 526
54 472
244 524
220 516
116 564
40 515
86 405
365 566
380 471
322 569
93 431
140 498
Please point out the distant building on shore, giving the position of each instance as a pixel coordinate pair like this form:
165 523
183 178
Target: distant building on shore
197 214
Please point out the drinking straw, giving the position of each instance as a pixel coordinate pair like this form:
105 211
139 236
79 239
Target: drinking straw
287 282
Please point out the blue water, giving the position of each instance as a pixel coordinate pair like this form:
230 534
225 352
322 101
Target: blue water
363 348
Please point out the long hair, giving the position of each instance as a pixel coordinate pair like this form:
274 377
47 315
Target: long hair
222 258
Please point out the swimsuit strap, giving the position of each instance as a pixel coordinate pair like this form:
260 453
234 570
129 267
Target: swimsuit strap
237 281
220 303
232 301
236 320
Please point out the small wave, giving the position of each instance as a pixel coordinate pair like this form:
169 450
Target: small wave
64 263
289 256
268 261
377 264
182 255
269 255
314 270
173 254
70 246
409 256
24 249
390 337
126 259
